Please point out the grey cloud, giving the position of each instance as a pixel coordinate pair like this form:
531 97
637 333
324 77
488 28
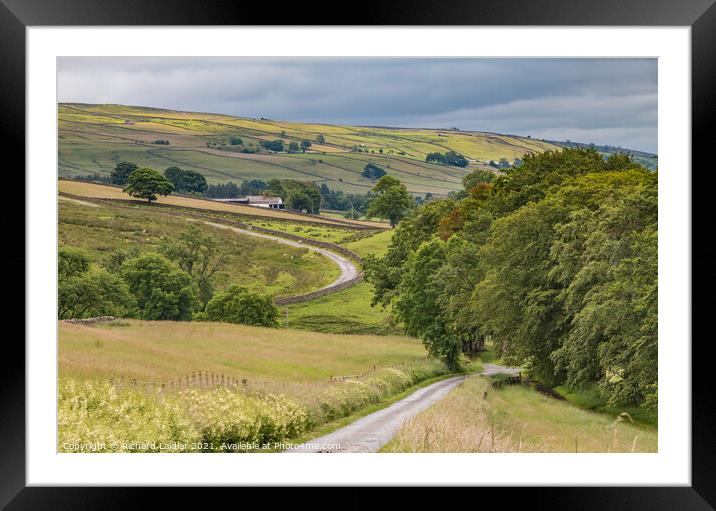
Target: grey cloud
609 101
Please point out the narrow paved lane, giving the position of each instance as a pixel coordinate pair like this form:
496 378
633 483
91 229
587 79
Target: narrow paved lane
370 433
373 431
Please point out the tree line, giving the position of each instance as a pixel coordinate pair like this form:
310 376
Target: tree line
147 183
231 190
390 202
278 146
448 158
555 259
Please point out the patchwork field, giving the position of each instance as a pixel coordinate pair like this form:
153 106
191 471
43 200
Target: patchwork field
93 138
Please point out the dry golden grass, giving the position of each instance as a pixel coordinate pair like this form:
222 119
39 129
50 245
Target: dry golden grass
320 148
99 191
159 351
516 419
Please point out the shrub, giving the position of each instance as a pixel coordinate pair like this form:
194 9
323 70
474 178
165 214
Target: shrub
229 419
237 304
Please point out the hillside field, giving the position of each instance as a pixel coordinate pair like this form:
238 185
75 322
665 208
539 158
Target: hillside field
93 138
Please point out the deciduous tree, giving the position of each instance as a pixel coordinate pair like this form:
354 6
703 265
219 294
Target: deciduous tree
162 290
392 200
147 183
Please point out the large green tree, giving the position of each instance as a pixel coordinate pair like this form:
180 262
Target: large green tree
161 290
384 273
418 302
147 183
392 200
477 177
186 180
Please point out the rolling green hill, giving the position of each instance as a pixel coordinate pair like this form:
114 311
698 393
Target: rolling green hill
93 138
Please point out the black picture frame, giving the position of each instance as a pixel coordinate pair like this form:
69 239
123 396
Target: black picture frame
700 15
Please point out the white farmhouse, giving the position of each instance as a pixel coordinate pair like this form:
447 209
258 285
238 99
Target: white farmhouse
258 201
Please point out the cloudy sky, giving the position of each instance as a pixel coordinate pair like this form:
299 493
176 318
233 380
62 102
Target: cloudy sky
605 101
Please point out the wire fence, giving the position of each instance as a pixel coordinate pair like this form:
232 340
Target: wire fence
211 380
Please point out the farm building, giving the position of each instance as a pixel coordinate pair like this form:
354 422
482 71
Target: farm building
258 201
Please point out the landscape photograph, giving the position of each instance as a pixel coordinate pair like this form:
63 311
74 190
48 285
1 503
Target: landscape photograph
340 255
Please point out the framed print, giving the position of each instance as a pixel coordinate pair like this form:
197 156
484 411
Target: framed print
425 249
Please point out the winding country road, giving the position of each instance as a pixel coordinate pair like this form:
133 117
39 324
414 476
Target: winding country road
348 269
373 431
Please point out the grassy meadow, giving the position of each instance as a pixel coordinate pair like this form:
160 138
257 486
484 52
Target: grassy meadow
287 393
478 418
348 310
262 265
165 350
343 312
376 244
93 138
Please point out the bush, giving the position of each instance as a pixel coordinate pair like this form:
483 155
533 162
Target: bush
342 400
239 305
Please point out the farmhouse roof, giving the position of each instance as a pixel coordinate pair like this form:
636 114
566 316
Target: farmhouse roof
259 199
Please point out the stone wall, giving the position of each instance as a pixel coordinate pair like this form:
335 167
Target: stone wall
316 294
90 321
